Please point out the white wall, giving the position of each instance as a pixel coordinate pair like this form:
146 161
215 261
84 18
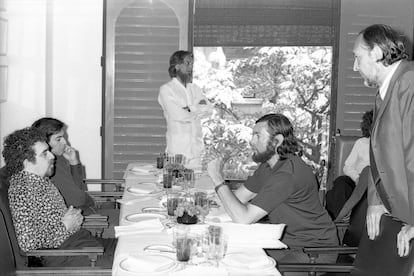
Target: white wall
54 70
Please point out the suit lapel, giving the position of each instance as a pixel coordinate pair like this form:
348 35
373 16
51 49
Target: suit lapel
390 90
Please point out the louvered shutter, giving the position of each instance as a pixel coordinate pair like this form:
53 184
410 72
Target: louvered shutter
353 98
146 34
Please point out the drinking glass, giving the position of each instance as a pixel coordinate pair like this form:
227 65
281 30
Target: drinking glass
172 203
189 179
201 202
217 244
182 243
167 178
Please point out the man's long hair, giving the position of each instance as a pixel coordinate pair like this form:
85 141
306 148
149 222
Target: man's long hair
280 124
389 41
49 126
18 146
177 58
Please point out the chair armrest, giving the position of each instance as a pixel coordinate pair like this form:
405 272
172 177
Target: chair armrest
307 267
118 183
64 271
313 252
95 218
91 252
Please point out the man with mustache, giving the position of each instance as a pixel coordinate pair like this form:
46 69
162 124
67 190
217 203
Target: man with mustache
283 187
184 104
380 58
40 216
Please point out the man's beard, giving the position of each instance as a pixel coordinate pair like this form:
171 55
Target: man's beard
261 157
184 77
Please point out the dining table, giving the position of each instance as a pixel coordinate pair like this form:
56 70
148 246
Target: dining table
135 234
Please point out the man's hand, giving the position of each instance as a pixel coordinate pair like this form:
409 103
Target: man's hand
72 219
403 240
214 170
70 154
374 214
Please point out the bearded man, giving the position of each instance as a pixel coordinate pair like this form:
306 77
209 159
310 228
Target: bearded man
283 187
184 104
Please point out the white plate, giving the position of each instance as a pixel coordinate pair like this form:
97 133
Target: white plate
145 216
153 210
139 192
128 265
231 261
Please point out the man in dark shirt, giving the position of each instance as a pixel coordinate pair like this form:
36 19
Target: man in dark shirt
283 187
69 173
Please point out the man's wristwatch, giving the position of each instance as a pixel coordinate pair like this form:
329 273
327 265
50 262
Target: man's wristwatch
219 186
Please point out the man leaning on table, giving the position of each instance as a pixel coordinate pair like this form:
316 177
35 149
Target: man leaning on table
283 187
40 216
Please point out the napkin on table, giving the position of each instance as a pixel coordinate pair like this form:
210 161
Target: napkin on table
150 225
201 271
256 234
148 262
246 261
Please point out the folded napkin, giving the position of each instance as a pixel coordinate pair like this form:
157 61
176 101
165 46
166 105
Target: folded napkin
256 235
143 188
150 225
148 263
200 270
141 168
246 260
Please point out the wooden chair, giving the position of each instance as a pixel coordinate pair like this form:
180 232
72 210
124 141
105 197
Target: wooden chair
94 223
14 262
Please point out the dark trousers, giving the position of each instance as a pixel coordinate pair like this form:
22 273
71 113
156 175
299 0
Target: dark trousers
80 239
342 189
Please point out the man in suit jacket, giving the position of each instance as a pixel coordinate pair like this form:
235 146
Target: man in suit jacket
380 58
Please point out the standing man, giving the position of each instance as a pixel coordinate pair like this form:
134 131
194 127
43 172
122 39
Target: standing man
40 216
380 58
284 188
184 105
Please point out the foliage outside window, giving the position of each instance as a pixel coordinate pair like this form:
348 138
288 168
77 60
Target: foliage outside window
295 81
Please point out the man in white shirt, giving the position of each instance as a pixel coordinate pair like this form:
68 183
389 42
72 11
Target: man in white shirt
184 104
380 59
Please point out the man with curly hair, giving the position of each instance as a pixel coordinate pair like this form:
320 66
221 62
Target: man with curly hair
283 187
40 216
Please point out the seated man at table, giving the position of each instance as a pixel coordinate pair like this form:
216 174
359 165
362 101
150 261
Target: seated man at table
69 173
40 216
283 187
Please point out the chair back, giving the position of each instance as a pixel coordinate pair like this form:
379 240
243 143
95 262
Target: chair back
7 260
9 234
379 257
343 147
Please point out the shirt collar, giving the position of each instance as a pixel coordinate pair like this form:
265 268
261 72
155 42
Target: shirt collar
384 87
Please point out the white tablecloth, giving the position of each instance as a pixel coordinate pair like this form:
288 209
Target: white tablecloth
137 242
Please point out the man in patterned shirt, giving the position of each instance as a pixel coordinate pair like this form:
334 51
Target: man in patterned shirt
40 215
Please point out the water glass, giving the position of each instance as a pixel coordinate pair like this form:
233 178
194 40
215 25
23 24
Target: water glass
172 203
201 202
189 178
167 178
217 243
160 162
182 243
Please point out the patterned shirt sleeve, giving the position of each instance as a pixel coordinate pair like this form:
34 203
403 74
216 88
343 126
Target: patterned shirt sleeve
37 209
